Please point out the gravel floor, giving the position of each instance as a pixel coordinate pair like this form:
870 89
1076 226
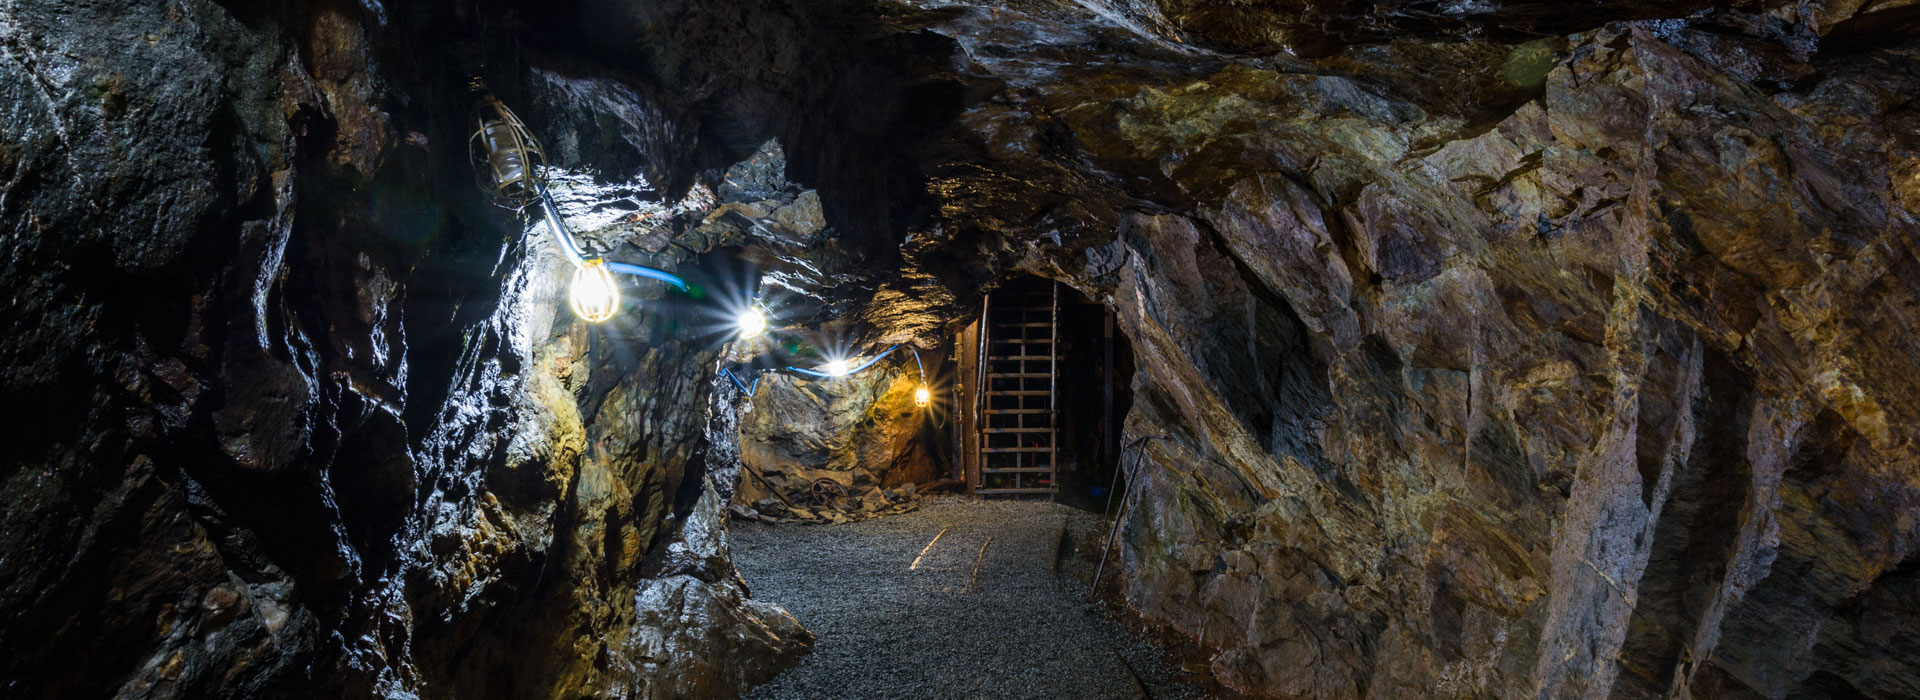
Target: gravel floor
888 631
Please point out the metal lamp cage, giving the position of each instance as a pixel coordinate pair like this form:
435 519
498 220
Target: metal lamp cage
506 157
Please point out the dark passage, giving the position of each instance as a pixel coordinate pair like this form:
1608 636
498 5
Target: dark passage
1044 378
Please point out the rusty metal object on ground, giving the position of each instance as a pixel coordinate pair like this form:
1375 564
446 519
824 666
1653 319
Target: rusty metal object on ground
827 490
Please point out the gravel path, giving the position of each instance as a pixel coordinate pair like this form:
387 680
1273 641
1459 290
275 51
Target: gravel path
890 631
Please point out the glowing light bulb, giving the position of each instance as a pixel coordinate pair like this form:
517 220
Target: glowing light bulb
752 322
922 397
837 368
595 297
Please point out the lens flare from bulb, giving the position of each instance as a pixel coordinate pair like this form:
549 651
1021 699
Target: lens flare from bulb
752 322
837 368
595 296
922 397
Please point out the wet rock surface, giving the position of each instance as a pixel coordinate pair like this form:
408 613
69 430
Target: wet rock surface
1504 348
895 622
293 413
1573 381
834 450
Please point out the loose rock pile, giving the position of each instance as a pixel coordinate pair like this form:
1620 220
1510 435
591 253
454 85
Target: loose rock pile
826 500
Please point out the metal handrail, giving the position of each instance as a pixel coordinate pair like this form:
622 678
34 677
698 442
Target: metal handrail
1112 530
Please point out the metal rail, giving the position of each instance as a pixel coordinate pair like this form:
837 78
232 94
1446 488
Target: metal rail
1139 449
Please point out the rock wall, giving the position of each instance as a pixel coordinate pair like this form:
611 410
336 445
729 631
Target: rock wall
1503 349
1548 367
293 413
863 432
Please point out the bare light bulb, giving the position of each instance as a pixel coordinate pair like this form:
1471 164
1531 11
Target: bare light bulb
922 397
752 322
594 295
837 368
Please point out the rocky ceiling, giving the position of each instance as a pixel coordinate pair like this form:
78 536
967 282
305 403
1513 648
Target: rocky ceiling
1505 348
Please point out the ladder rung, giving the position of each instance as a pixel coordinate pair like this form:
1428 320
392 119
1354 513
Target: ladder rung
1018 393
1016 449
1044 489
1029 411
1018 470
1016 430
1018 375
1023 325
1023 341
997 358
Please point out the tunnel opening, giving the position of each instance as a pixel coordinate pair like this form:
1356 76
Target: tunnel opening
1455 369
1043 384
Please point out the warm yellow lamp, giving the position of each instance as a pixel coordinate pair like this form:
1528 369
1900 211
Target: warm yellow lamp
595 296
922 397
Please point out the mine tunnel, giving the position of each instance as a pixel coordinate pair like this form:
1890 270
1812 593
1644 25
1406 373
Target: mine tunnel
654 349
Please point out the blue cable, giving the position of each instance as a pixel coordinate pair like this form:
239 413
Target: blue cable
744 388
918 363
648 272
850 372
573 251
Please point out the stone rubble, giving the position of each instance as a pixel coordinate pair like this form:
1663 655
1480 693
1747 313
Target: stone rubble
801 506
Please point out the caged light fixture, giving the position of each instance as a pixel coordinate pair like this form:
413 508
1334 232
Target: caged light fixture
506 157
594 296
923 396
507 162
508 165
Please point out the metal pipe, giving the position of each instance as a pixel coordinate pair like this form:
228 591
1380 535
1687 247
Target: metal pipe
559 229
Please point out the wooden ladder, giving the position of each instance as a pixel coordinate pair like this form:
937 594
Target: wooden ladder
1019 363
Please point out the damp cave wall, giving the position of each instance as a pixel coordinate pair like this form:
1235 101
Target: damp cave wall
861 431
294 412
1504 351
1564 366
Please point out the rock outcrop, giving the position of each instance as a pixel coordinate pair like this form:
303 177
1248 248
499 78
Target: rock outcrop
861 432
1503 348
293 413
1567 367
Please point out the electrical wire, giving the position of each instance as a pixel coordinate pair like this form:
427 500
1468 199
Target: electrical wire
572 249
748 389
753 388
933 414
649 273
852 371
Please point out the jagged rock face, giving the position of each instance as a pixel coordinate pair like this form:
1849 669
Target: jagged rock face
1585 376
1500 349
860 431
292 413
